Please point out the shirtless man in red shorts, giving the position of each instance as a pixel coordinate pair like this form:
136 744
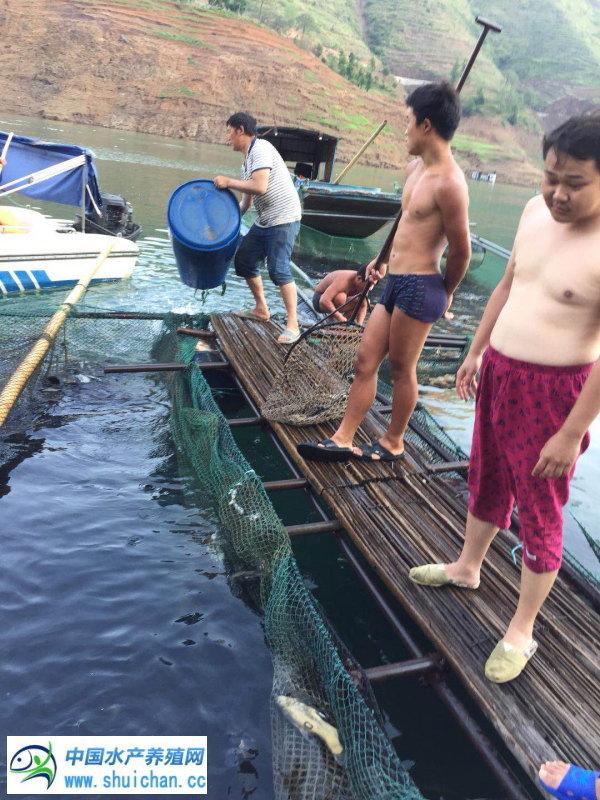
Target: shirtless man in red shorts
536 349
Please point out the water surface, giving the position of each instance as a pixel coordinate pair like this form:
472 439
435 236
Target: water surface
116 609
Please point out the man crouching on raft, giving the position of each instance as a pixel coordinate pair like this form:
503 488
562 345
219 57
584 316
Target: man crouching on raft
434 212
536 349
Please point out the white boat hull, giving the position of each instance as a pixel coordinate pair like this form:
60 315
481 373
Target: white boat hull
48 259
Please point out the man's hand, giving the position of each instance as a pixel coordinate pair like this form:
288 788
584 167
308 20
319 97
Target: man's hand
558 455
221 182
374 275
466 377
447 313
2 161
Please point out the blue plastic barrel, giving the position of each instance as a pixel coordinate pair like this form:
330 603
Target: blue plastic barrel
205 227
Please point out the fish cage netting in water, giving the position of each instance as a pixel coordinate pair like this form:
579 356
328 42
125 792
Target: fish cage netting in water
91 335
307 664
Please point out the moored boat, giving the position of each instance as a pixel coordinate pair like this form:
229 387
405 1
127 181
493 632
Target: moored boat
328 208
37 252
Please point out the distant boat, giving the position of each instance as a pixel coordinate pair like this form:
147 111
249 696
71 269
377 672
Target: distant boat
37 252
487 177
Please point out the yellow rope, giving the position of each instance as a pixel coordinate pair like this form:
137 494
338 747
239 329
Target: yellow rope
18 380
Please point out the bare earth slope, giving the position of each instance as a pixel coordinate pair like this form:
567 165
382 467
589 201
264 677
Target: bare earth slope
161 68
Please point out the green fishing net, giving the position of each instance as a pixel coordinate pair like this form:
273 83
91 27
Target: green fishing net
310 665
307 663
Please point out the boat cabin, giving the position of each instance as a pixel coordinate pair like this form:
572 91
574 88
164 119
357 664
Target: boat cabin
307 149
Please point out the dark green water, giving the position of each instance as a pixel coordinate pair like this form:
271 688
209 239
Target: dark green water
116 611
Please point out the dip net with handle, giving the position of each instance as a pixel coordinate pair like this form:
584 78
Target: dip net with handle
318 370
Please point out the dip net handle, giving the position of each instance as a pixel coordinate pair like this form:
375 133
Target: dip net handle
321 323
18 380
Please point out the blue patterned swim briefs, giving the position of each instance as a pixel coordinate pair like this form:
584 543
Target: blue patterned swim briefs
420 296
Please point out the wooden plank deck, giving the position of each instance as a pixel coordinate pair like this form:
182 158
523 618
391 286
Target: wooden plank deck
398 519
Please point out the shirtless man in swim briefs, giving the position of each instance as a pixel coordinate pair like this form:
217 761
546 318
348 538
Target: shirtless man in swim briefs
536 349
434 213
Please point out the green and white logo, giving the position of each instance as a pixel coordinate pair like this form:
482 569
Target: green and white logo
34 761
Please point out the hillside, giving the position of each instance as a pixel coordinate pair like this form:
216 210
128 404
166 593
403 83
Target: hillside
178 70
548 49
162 68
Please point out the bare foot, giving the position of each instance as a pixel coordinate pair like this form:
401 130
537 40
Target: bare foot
552 772
394 447
519 639
258 312
461 574
261 312
346 443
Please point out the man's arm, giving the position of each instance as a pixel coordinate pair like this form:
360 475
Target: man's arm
256 185
560 451
453 201
466 377
245 203
327 303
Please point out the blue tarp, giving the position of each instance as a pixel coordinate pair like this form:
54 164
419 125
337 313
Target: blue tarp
26 155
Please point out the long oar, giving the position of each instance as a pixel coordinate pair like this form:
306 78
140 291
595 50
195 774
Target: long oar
18 380
487 27
353 160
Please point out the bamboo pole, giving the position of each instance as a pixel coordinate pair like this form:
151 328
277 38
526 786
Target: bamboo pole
18 380
353 160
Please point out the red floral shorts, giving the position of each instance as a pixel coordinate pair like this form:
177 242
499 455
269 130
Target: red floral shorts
519 407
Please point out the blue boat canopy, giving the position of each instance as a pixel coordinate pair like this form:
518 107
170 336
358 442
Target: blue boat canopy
48 171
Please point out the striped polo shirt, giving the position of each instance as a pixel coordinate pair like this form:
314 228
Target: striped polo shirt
280 203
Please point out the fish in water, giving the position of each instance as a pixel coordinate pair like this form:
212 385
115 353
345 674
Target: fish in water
308 720
35 761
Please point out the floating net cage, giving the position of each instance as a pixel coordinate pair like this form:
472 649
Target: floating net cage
91 334
316 376
310 664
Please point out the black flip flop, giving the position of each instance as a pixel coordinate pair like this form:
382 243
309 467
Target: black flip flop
325 451
377 449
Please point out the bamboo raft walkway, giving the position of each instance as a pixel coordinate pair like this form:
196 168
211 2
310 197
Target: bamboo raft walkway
402 516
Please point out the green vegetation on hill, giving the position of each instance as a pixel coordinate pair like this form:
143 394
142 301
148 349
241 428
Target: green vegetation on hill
547 55
548 48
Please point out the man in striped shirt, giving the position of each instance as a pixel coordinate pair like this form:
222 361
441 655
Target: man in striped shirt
266 182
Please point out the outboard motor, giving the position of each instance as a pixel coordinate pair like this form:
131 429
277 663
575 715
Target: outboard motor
116 218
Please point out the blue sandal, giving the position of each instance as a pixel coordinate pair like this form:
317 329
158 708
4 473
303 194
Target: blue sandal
578 784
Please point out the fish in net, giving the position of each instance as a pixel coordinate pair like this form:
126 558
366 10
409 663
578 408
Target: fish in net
318 370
